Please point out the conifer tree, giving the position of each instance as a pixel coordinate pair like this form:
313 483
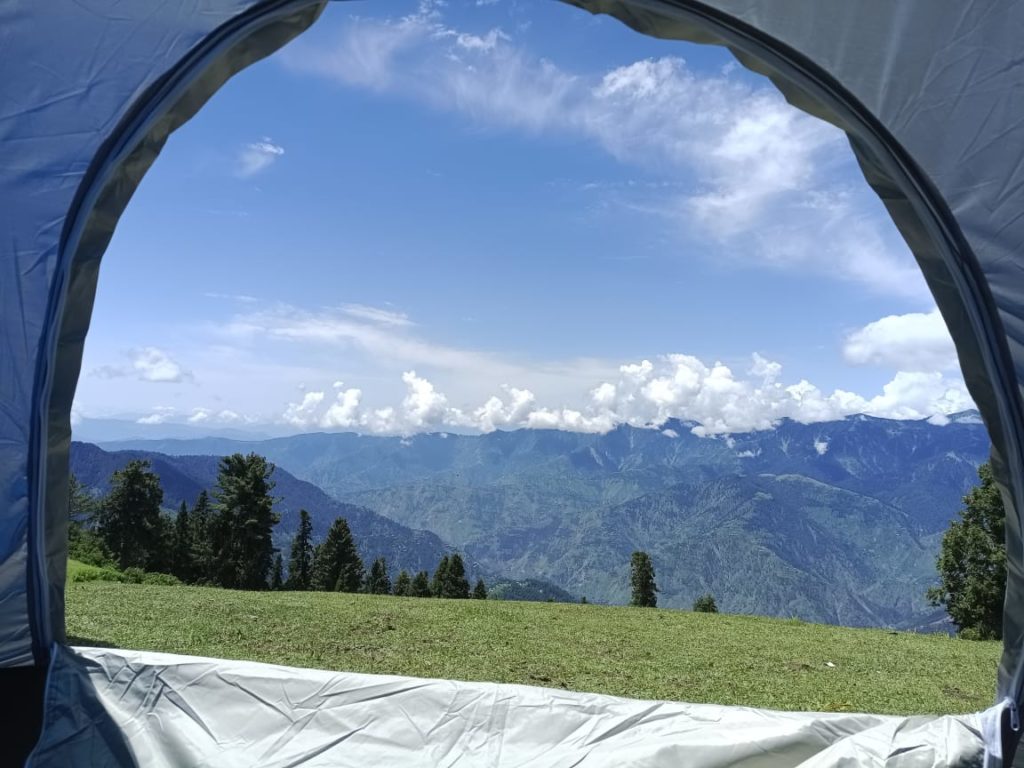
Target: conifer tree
337 566
244 522
300 562
403 584
455 584
202 542
181 553
972 563
378 582
437 584
277 574
642 581
421 585
129 520
84 543
480 590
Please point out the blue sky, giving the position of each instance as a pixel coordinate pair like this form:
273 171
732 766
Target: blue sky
506 214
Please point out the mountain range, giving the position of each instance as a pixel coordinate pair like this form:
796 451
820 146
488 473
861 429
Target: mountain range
836 522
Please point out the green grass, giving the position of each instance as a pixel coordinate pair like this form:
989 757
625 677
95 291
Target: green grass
643 653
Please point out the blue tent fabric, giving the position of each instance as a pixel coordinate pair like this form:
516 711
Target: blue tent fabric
931 93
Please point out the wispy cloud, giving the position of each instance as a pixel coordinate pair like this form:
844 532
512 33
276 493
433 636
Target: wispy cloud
256 157
771 184
377 315
239 297
147 364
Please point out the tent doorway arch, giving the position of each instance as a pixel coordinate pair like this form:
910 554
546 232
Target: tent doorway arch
909 86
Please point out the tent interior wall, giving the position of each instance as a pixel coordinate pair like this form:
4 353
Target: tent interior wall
930 94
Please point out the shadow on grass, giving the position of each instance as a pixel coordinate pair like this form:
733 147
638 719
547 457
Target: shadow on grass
88 642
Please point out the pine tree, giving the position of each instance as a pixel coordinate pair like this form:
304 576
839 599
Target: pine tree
129 520
245 521
642 581
202 542
277 574
337 566
84 544
181 552
378 582
972 563
403 584
456 586
437 584
480 590
421 585
300 562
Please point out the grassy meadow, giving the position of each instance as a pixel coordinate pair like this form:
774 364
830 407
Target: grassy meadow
643 653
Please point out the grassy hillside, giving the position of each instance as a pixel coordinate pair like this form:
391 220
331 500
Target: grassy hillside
642 653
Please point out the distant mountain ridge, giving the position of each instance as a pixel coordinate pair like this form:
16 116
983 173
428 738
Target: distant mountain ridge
836 521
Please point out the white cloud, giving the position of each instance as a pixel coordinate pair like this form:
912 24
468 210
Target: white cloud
210 416
645 394
256 157
821 446
771 183
913 342
377 315
148 364
240 297
299 414
161 414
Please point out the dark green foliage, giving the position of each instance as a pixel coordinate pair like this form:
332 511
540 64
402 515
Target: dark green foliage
403 584
139 576
277 574
421 585
641 581
705 604
129 520
181 552
480 590
244 522
456 584
972 563
450 578
378 583
528 590
437 584
84 544
300 563
203 560
583 600
337 566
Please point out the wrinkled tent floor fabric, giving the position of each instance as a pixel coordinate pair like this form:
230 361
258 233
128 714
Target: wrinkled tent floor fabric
115 707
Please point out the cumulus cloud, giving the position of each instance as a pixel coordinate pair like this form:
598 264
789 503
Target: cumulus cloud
160 415
821 446
713 398
771 182
211 416
256 157
918 341
147 364
299 414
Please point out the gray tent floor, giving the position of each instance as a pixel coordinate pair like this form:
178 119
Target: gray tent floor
118 707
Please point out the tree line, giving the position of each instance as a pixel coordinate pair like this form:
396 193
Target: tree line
226 539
